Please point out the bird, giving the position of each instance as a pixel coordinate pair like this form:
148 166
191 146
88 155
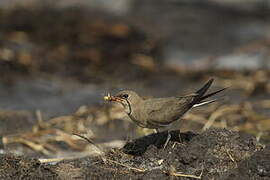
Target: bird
157 113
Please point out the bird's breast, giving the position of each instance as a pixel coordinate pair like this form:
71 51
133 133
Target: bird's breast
139 121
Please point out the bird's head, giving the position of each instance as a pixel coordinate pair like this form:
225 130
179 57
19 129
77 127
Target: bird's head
127 98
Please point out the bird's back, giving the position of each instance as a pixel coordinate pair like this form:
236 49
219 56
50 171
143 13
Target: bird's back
160 112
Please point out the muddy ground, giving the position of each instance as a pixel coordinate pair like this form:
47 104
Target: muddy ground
214 154
57 64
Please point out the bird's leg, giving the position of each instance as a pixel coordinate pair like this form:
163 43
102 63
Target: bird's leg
168 139
179 136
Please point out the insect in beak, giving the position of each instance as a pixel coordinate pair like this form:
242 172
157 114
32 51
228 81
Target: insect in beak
112 98
108 97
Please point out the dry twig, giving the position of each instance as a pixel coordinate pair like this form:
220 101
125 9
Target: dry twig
127 166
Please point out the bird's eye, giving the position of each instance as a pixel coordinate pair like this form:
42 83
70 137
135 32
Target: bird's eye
125 96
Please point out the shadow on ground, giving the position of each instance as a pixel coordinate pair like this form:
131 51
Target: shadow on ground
139 146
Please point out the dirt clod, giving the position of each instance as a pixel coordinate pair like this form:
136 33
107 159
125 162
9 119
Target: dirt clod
255 167
18 167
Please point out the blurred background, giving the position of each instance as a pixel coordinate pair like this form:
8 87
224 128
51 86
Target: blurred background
59 58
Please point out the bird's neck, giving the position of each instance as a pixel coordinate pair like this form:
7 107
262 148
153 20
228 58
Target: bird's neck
131 107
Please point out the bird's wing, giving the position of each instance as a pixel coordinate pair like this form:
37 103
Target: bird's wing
163 111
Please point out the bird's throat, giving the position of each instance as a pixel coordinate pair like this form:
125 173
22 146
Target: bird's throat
128 108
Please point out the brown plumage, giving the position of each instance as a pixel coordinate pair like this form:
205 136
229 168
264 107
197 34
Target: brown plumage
156 113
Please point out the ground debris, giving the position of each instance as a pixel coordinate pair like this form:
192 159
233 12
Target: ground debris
215 153
19 167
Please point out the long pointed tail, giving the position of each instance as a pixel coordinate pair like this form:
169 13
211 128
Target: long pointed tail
207 102
205 87
202 91
201 94
213 93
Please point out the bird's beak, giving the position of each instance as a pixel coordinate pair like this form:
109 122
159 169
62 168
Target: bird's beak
113 98
116 99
